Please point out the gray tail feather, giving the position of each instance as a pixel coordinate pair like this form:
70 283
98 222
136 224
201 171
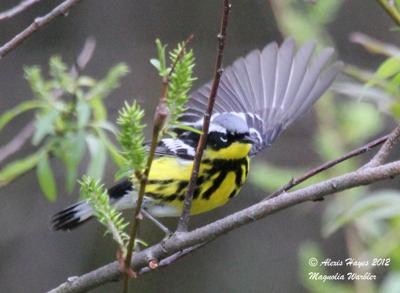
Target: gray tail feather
72 217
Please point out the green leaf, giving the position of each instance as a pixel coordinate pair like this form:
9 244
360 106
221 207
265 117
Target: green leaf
378 205
161 65
71 153
114 152
83 113
106 125
131 136
103 87
323 12
9 115
98 154
395 109
63 80
99 109
46 178
359 121
17 168
277 176
97 197
388 68
123 172
86 81
44 125
181 82
189 128
39 87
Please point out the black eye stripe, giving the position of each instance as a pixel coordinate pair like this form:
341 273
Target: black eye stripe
218 140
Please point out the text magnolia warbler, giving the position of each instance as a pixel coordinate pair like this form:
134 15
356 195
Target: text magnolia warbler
258 96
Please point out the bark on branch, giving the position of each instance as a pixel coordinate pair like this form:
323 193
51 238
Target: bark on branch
211 231
38 23
10 13
183 222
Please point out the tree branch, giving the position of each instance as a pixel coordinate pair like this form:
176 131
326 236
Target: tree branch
296 181
38 23
248 215
386 148
17 9
184 219
391 10
373 45
160 118
17 142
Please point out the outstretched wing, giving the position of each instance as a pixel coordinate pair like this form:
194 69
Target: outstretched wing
269 89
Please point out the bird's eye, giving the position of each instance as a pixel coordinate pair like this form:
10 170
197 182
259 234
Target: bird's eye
224 139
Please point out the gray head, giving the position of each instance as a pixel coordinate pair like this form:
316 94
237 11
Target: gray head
233 123
227 128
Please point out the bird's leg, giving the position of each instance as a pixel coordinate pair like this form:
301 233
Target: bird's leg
160 225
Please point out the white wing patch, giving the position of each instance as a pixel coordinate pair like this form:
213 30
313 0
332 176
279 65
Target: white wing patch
178 146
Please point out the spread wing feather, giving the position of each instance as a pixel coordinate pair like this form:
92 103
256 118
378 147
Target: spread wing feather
269 89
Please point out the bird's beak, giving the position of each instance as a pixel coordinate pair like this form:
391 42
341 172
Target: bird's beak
248 139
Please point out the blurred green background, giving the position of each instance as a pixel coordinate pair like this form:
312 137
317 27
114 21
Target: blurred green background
270 255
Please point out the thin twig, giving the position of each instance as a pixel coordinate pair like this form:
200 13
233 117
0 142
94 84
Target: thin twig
179 57
84 56
173 258
17 9
384 151
160 118
220 227
17 142
391 10
184 219
373 45
296 181
38 23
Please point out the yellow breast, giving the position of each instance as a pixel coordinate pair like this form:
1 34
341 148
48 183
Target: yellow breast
218 181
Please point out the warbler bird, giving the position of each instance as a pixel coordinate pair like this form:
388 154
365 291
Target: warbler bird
258 96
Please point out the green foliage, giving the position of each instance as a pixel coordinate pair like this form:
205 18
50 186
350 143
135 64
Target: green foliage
133 155
103 88
277 176
70 117
160 64
9 115
97 197
370 217
306 21
17 168
180 83
131 136
179 75
379 205
358 121
382 87
45 177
